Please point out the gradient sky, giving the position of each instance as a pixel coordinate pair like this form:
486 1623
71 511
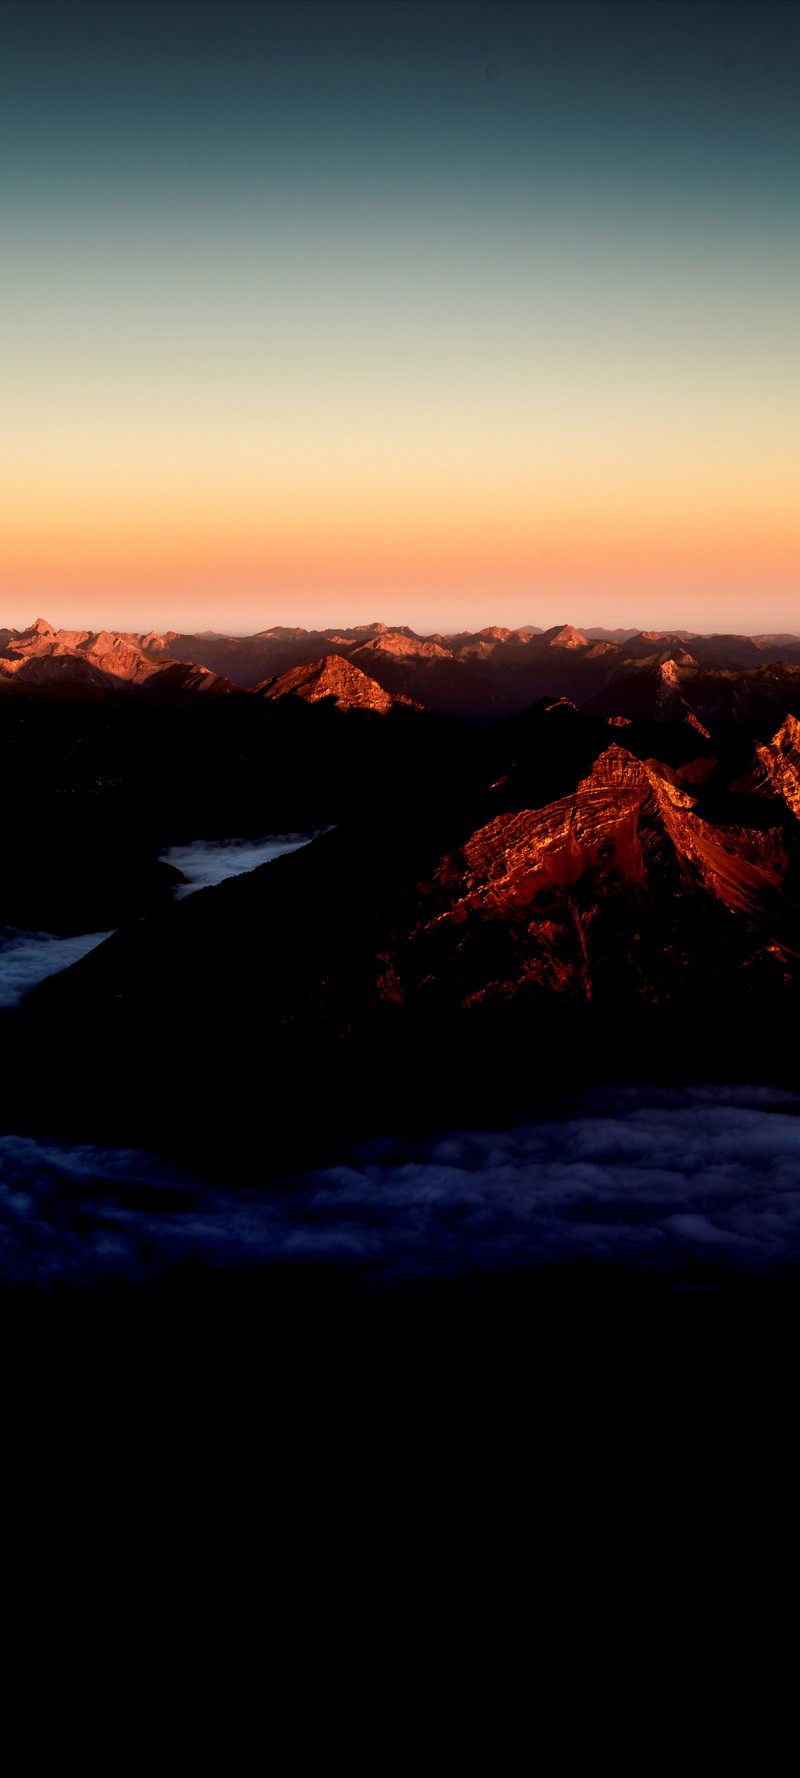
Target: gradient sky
447 313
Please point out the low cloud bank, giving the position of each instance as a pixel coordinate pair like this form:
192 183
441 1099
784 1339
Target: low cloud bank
660 1182
206 862
26 958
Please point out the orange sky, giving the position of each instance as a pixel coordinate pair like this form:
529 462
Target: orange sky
282 344
214 546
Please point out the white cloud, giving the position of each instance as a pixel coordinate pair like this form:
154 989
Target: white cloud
26 958
205 862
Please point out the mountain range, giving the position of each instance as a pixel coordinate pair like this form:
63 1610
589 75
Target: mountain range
723 680
499 910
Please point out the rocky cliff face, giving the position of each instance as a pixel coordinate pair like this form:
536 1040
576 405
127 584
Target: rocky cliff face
777 772
613 890
331 677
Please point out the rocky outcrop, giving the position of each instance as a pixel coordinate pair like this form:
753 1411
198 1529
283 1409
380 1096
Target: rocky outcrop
331 677
776 767
606 887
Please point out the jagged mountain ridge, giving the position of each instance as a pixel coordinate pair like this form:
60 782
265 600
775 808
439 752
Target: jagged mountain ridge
775 769
517 937
334 677
485 674
598 893
87 664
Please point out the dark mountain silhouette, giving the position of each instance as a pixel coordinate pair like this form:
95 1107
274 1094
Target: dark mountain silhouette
104 778
722 701
547 856
559 902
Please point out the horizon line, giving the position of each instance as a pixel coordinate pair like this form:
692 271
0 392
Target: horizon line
628 631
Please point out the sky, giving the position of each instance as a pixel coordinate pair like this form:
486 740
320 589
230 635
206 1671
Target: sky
441 312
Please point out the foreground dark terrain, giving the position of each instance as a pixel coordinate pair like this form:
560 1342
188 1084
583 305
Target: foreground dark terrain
528 991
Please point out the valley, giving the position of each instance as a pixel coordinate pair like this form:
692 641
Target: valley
427 921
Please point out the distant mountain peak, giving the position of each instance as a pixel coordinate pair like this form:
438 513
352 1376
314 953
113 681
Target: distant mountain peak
564 636
490 673
400 642
330 677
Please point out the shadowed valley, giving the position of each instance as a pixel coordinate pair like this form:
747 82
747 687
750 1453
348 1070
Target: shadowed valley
502 911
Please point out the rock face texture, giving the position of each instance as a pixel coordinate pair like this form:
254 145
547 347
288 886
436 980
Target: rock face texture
614 890
627 822
331 677
779 763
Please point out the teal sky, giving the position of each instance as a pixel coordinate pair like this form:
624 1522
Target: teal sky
441 311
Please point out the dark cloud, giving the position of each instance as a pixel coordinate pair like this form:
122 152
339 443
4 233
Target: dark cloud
654 1181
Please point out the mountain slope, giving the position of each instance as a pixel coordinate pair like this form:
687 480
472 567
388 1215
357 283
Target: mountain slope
615 926
776 769
605 892
330 677
724 680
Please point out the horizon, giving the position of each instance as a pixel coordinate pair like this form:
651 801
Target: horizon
684 631
467 308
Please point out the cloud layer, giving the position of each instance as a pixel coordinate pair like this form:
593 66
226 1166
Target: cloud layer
28 957
205 862
652 1182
